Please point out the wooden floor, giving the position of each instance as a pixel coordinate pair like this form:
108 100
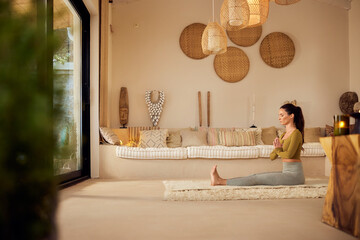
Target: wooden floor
106 209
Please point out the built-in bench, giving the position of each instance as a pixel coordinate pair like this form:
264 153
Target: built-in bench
121 162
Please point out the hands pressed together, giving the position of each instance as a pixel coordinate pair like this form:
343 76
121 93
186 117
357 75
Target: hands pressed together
277 143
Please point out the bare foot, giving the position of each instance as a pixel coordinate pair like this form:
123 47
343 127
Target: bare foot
215 178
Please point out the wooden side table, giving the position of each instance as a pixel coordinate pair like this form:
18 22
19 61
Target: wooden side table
342 202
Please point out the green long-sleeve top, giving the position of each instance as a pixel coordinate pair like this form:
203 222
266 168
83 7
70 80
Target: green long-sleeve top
291 146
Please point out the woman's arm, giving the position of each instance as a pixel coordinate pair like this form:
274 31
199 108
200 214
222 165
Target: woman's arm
273 155
295 140
276 144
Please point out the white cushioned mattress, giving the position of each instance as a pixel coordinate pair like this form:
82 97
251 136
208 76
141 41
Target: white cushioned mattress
222 152
151 153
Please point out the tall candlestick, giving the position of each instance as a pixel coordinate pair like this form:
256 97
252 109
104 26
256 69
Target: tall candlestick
253 111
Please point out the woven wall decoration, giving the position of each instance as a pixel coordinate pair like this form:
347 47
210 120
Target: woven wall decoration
347 102
286 2
190 41
245 37
277 50
232 66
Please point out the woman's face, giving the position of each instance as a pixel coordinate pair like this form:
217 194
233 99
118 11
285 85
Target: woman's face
284 117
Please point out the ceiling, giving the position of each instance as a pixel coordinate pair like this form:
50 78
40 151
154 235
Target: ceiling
345 4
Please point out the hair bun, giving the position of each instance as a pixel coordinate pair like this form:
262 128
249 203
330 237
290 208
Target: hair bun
293 102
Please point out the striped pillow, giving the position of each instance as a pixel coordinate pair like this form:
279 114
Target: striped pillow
226 138
213 137
242 138
257 132
220 136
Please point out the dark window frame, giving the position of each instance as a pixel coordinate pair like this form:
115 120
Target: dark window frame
73 177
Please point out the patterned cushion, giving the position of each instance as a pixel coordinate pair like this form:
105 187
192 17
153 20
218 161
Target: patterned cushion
226 138
257 132
109 136
213 137
242 138
153 138
329 130
220 136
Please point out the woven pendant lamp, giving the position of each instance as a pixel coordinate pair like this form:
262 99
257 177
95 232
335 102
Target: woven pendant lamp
259 10
213 40
234 14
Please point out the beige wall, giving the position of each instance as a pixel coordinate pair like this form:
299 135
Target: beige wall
149 57
354 46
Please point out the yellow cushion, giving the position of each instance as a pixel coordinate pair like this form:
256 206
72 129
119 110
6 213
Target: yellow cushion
268 135
193 138
312 134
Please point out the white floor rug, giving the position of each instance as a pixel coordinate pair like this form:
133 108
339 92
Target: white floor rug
201 190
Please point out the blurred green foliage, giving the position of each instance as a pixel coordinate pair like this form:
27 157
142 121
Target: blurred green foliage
28 189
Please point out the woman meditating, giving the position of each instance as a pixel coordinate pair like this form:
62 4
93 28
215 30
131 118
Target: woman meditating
288 147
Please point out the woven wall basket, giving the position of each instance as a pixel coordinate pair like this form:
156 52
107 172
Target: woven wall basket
286 2
232 66
190 41
245 37
347 102
277 50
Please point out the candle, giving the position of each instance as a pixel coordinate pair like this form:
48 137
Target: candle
341 125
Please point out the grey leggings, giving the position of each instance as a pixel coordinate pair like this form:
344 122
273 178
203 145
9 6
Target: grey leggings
292 174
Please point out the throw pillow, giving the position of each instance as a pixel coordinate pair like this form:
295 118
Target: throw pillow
174 140
193 138
244 138
213 137
153 138
257 132
268 135
109 136
226 137
329 130
312 134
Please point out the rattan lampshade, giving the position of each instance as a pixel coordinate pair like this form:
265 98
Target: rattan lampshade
213 40
286 2
234 14
259 10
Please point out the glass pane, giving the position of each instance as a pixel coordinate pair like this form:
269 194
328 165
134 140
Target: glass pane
67 77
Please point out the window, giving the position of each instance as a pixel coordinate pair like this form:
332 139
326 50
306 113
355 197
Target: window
71 76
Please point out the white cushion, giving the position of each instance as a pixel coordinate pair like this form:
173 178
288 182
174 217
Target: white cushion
151 153
310 150
222 152
313 149
265 150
